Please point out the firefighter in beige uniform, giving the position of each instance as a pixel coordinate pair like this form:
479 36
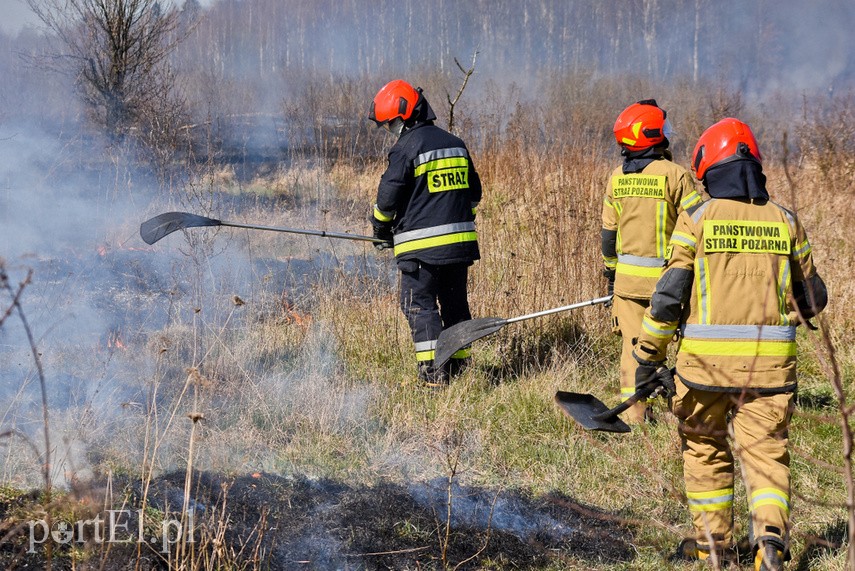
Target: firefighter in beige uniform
643 198
738 261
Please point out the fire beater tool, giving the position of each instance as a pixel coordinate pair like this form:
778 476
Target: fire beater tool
462 334
592 414
164 224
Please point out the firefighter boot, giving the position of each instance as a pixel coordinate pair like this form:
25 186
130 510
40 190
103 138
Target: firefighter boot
431 377
688 550
769 555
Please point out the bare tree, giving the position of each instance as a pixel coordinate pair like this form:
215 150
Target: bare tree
117 51
467 73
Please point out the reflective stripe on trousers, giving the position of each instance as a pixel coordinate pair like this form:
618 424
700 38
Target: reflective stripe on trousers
425 351
710 501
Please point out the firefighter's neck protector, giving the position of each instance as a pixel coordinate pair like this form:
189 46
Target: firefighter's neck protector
422 113
635 161
736 179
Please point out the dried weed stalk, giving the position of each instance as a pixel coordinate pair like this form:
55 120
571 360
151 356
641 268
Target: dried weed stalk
15 305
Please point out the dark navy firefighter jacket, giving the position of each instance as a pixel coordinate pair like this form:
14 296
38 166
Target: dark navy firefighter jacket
428 194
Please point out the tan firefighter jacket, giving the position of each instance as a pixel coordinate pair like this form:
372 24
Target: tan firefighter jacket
727 288
639 212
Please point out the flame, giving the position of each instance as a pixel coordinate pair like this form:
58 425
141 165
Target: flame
114 341
292 315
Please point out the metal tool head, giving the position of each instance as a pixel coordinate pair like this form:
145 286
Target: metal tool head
462 334
164 224
590 412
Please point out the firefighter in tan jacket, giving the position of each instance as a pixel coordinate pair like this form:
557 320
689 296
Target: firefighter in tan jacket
738 281
643 198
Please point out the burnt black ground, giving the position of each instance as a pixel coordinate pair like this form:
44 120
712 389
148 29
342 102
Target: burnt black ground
293 522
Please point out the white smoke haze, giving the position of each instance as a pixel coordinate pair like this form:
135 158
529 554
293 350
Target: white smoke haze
119 324
16 15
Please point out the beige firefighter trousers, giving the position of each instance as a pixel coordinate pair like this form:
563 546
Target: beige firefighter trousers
758 427
627 315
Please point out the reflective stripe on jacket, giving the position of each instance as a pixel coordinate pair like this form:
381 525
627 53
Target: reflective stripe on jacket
428 193
732 268
642 208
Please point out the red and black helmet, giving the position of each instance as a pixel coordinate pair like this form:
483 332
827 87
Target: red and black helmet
728 140
396 100
642 125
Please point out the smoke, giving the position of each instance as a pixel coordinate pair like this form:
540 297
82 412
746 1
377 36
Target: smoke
817 45
57 219
477 508
42 211
16 15
120 325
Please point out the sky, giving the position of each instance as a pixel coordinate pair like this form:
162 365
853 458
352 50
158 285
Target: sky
16 15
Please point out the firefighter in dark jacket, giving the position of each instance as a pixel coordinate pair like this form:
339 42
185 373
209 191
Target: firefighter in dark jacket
739 279
425 210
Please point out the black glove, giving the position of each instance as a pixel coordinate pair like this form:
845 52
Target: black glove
609 274
650 377
383 233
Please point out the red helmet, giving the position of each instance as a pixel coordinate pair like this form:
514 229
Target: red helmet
396 100
642 125
728 140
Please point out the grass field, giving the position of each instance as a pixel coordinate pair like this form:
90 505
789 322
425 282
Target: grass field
295 353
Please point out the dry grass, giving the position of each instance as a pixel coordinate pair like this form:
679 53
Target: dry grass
318 377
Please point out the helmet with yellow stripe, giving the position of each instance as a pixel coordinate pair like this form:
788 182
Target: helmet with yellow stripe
642 125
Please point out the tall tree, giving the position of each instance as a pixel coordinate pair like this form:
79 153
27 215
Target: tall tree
117 51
